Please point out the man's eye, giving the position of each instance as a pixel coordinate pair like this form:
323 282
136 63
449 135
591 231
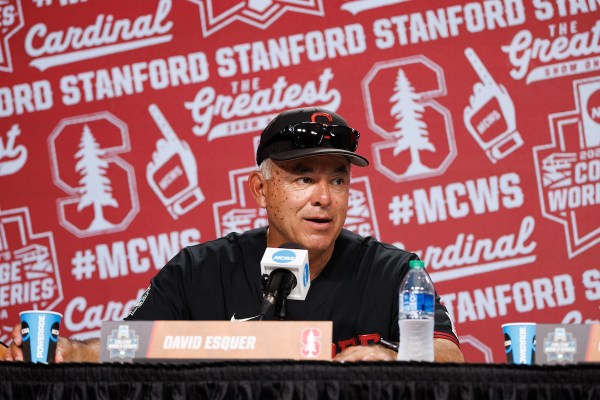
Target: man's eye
339 181
306 179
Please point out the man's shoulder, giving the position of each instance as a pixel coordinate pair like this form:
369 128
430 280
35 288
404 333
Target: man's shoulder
351 239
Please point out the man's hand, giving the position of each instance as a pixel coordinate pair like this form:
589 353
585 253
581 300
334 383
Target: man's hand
444 351
374 352
14 352
447 351
66 349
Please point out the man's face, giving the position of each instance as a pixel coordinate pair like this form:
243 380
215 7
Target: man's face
307 200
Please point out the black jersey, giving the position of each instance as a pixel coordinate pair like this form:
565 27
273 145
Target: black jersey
220 280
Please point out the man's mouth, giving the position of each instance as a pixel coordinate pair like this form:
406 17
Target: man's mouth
319 220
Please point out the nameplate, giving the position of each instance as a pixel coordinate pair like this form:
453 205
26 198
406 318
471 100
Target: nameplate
125 341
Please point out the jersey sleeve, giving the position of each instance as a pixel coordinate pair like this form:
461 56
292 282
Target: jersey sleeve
165 298
443 328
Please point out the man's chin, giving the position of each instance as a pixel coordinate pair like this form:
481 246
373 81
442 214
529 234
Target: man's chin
319 243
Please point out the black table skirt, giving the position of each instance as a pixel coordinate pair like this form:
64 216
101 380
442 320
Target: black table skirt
298 380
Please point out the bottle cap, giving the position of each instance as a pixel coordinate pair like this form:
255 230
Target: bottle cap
417 264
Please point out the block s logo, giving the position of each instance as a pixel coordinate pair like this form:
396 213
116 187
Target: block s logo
418 133
311 343
101 187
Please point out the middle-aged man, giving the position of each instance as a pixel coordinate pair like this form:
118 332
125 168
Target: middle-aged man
303 181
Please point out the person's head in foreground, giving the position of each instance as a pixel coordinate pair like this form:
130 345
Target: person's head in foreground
305 157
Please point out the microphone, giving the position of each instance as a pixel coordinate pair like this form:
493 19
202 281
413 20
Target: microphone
293 258
285 275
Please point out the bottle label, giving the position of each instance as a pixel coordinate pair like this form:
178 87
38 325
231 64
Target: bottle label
412 302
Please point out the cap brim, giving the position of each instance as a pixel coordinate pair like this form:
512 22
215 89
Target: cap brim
354 158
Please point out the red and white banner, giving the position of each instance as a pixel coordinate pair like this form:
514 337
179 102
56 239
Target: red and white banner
126 133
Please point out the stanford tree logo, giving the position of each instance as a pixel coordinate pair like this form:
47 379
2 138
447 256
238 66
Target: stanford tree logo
100 186
401 107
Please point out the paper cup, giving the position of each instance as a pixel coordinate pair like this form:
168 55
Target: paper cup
519 342
40 335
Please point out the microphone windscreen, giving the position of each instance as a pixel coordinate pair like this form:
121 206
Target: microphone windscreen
292 257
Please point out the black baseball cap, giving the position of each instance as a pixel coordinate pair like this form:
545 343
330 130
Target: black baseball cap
281 149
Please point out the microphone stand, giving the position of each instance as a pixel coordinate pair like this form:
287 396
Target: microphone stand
276 288
281 309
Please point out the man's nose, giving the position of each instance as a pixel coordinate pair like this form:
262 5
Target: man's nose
322 194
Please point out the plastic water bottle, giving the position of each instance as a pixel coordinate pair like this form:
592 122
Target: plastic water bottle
416 316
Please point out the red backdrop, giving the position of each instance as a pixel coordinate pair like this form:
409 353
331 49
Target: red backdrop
127 132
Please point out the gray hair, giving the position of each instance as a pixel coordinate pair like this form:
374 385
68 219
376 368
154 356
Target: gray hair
266 168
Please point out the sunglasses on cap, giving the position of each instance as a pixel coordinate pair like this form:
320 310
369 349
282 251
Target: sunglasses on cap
311 134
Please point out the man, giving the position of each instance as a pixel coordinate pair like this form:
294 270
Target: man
303 181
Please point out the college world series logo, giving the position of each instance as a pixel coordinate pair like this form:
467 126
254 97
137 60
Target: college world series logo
568 169
29 276
123 342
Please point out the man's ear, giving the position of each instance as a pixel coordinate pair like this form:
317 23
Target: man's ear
258 188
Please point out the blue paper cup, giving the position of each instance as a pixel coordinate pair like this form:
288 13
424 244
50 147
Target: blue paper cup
519 342
40 335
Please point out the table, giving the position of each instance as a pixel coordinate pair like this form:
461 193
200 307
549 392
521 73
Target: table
298 380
